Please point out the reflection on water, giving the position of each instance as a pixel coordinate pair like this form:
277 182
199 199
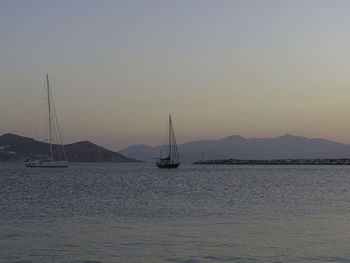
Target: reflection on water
138 213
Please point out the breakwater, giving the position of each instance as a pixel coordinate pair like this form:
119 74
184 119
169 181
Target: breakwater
344 161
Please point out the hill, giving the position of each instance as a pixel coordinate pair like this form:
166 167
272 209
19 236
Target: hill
18 148
237 147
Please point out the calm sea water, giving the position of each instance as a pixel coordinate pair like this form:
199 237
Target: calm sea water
138 213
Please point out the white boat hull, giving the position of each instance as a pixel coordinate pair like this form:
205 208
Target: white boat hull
47 164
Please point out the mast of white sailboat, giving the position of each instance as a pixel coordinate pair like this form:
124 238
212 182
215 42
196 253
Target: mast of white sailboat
169 137
174 146
49 107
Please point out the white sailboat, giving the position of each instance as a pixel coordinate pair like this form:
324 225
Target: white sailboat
173 159
53 160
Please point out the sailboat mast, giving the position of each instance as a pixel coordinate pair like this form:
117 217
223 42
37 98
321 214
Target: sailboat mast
169 137
49 109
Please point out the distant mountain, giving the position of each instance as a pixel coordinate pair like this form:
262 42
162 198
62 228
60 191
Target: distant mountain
18 148
149 154
236 147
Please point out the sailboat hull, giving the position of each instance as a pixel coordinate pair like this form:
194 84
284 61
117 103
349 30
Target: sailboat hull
169 166
166 165
47 164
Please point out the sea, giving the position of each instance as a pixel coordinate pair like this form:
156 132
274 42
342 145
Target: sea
104 213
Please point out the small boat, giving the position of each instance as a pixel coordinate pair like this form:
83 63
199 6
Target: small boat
173 159
59 159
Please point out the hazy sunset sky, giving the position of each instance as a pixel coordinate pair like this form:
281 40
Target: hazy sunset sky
118 68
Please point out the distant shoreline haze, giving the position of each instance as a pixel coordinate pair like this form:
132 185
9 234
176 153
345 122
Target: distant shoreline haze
232 147
237 147
15 148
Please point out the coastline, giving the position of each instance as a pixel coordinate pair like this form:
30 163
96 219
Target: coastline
323 161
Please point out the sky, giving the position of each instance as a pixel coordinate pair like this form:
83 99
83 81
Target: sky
255 68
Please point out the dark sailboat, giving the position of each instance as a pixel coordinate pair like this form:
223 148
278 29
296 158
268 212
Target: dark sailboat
173 159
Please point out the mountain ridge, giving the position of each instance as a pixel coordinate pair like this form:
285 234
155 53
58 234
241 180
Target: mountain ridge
238 147
16 148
